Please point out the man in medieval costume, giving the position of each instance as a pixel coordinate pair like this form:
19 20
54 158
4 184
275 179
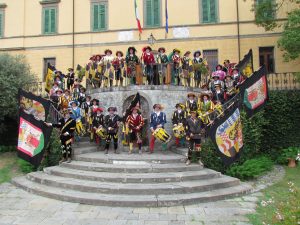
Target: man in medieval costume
149 60
186 65
178 121
131 61
118 64
194 131
205 107
135 123
111 123
65 99
162 60
107 68
197 61
76 115
67 127
70 78
191 103
98 126
176 59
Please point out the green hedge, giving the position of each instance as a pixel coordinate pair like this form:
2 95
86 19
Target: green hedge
4 148
265 134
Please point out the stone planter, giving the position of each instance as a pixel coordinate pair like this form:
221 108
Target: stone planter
292 163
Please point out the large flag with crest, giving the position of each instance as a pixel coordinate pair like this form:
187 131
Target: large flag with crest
226 134
245 66
34 105
254 92
33 138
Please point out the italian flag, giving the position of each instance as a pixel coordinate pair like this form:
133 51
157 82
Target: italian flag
137 16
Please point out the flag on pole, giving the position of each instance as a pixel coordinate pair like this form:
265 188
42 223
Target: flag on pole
49 77
167 18
137 16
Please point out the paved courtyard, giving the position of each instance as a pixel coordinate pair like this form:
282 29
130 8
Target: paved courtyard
20 207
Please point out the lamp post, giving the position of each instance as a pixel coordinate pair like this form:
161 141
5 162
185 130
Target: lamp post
151 39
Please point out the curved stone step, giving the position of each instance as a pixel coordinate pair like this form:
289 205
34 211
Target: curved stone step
128 200
156 158
133 188
84 150
132 177
131 167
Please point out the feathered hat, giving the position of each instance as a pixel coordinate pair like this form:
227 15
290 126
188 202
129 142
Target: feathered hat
197 52
107 50
119 52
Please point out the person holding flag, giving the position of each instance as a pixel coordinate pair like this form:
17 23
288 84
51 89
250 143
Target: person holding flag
131 61
67 126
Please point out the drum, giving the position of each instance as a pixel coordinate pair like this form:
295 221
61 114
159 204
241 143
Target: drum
101 132
179 131
162 135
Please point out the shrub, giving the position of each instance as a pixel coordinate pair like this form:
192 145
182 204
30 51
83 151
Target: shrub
25 166
287 153
250 168
53 151
4 148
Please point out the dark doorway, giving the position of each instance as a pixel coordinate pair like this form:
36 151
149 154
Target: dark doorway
266 57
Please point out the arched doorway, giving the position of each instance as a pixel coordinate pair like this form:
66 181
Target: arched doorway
145 110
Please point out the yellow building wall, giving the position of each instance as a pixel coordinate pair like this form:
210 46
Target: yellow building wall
23 31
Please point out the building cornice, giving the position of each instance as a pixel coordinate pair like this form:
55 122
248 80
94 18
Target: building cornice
44 2
3 5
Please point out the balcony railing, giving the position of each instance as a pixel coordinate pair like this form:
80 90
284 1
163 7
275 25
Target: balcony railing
283 81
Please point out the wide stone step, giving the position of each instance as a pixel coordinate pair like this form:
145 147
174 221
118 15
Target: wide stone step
157 158
128 200
133 177
84 150
180 150
133 188
131 167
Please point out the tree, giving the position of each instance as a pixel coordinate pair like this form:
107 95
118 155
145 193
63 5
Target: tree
14 74
289 42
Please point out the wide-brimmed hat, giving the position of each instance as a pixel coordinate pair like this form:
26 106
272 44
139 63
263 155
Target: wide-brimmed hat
191 94
157 106
162 49
67 90
58 71
133 48
176 50
204 94
146 47
219 65
226 60
75 101
95 100
65 111
112 109
228 75
187 53
119 52
182 106
235 69
215 75
70 69
82 88
136 108
59 90
107 50
198 51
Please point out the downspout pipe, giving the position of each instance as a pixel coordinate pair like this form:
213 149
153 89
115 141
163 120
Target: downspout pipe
73 37
238 29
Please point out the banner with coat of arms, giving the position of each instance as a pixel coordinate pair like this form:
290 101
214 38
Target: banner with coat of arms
254 92
226 134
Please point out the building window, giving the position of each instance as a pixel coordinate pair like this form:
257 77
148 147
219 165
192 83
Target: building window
266 57
49 20
209 11
1 23
99 13
211 57
52 61
152 13
265 9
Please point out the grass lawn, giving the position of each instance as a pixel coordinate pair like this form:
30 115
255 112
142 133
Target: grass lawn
9 166
281 201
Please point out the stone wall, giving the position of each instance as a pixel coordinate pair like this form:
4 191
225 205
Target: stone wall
168 96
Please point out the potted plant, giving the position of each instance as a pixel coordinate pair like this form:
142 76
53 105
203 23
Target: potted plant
291 155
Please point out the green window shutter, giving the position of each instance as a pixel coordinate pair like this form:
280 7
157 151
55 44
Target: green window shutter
205 11
209 11
149 10
53 20
50 20
1 24
152 10
156 12
96 13
270 11
99 17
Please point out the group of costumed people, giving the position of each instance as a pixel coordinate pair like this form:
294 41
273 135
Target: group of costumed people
107 70
83 115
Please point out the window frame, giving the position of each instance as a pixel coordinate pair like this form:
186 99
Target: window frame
95 2
45 7
2 12
274 16
145 15
201 13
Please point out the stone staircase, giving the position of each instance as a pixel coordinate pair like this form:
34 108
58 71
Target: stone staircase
159 179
